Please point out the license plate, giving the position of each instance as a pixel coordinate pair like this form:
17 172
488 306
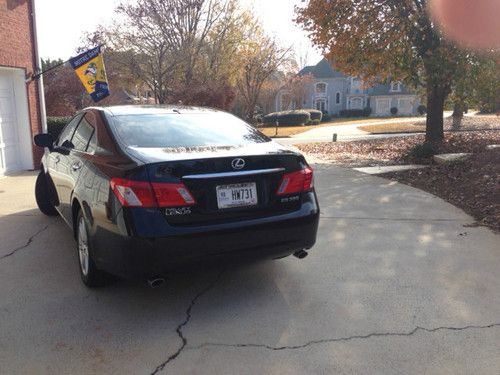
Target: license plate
237 195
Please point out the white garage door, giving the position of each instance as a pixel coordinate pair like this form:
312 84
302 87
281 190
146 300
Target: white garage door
382 106
405 106
9 140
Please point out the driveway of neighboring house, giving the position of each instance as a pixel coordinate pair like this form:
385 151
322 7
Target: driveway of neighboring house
350 132
397 283
344 132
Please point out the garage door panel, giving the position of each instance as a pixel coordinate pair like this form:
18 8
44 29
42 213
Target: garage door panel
405 106
9 140
382 106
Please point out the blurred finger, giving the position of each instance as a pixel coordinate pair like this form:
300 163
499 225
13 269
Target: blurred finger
472 23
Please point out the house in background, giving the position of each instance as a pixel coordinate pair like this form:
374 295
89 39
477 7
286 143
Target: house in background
124 97
332 91
20 102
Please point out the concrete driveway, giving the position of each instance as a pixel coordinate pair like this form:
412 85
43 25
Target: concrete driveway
396 284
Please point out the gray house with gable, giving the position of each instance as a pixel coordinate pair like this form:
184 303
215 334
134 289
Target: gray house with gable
333 91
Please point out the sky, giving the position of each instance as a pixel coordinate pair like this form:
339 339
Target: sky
61 24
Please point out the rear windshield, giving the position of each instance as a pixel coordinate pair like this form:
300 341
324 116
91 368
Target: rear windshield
185 130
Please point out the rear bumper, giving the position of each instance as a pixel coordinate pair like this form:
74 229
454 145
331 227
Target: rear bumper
139 257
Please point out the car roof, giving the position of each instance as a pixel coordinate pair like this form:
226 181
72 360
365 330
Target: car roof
121 110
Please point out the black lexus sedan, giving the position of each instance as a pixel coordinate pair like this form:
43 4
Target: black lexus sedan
148 188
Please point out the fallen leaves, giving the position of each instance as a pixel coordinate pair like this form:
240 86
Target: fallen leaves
395 150
364 153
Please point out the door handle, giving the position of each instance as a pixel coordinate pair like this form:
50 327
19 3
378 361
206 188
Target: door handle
76 166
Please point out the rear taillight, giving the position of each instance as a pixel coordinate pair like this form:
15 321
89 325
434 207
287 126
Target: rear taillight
172 195
133 193
296 182
144 194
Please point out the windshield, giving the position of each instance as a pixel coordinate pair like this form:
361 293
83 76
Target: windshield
172 130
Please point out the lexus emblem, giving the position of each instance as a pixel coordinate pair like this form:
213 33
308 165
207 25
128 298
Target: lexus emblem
238 163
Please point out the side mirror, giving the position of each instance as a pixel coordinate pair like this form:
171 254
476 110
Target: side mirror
68 144
44 140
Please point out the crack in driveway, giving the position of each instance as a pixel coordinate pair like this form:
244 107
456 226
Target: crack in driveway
179 328
29 242
342 339
188 313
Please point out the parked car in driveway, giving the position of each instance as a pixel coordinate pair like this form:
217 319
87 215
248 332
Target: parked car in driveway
148 188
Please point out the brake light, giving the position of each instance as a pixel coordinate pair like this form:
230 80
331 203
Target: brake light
172 195
296 182
144 194
133 193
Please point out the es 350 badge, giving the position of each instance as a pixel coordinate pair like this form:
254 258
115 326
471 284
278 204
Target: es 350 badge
177 211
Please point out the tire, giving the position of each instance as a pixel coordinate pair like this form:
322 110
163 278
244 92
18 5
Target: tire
42 196
91 276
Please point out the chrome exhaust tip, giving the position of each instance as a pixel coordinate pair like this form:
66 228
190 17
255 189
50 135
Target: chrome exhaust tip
156 282
301 254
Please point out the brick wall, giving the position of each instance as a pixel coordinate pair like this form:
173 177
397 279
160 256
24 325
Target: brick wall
17 50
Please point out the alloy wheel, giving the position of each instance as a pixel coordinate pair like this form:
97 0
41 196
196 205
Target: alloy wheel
83 247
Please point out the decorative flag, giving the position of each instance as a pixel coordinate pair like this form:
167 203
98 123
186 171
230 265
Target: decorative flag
89 67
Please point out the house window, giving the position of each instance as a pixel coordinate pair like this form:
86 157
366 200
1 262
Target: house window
357 103
355 85
396 86
337 98
321 104
320 88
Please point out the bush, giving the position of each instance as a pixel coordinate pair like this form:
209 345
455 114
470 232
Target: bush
257 119
270 118
314 122
394 111
352 113
326 117
56 124
315 114
423 151
367 111
422 109
287 118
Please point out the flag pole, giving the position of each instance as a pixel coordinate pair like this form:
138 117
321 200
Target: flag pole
39 74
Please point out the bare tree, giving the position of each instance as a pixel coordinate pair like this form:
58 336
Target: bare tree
297 88
269 91
262 56
224 43
166 39
182 49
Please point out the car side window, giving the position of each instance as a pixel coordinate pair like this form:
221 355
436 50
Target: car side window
68 131
92 146
92 143
83 134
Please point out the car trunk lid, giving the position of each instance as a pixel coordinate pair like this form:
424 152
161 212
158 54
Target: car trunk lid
236 187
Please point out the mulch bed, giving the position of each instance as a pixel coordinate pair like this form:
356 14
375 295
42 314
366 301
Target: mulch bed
395 150
473 185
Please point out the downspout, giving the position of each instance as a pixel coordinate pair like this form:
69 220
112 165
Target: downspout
38 68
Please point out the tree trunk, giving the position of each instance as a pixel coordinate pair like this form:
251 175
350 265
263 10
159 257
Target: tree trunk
250 111
458 114
435 104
